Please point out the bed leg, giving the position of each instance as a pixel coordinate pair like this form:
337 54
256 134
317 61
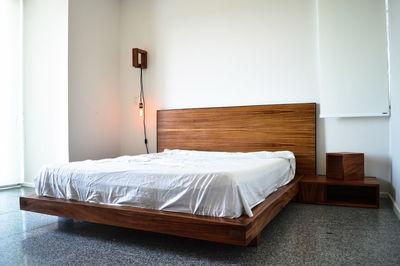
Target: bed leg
295 199
256 241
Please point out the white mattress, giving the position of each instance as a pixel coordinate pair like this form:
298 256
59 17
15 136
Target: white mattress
204 183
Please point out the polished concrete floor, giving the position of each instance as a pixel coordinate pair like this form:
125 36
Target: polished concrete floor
301 234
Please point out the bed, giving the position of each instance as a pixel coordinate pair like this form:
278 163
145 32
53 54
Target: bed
217 184
231 129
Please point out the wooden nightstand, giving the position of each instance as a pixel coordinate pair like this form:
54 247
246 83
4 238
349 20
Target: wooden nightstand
356 193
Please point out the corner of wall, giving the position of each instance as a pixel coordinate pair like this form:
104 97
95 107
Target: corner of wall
396 208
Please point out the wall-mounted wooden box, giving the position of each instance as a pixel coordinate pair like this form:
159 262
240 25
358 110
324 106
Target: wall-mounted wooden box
139 58
345 165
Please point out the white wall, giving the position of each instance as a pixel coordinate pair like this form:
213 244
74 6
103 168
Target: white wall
222 53
45 83
94 102
367 135
215 53
10 93
394 22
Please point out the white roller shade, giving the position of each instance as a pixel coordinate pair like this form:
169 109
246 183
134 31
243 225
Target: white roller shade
10 93
353 58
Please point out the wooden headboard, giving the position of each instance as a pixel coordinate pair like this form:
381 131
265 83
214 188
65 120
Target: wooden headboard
242 129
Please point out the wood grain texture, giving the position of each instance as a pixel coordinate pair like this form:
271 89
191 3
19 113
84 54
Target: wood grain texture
242 129
241 231
321 179
256 241
312 192
267 210
136 54
345 165
352 193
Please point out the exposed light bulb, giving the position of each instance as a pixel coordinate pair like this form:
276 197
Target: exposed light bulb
140 109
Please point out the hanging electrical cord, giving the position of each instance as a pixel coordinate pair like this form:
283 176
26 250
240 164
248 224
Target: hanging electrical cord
142 109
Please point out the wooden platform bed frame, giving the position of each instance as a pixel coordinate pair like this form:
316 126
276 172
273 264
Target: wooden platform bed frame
232 129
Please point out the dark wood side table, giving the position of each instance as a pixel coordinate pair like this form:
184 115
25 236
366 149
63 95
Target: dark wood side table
356 193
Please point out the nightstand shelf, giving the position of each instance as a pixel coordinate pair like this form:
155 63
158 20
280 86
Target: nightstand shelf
357 193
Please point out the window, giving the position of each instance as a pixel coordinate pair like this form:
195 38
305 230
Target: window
353 54
11 170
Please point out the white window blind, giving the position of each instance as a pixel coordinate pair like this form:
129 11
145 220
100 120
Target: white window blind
353 58
10 93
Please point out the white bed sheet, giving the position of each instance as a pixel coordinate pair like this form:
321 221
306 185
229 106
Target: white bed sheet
217 184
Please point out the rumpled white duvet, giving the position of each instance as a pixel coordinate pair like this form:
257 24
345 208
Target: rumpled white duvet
217 184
